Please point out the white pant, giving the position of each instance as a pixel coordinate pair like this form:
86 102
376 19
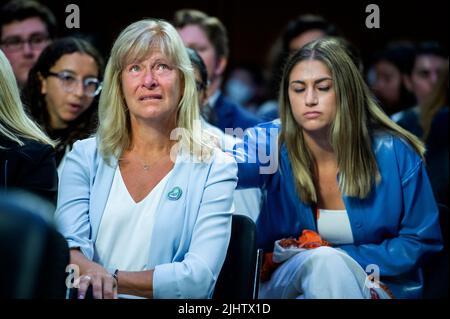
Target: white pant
322 273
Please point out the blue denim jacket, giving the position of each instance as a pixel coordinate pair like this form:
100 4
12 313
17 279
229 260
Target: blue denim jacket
396 227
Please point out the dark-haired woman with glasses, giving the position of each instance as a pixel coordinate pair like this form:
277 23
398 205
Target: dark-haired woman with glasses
61 90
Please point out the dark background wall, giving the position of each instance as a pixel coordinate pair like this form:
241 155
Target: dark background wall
254 25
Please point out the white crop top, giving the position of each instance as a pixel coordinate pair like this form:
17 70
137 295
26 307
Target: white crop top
334 226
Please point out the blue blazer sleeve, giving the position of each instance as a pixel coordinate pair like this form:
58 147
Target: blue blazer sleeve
257 155
72 212
419 231
195 276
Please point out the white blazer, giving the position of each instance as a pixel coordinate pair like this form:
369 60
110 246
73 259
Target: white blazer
191 232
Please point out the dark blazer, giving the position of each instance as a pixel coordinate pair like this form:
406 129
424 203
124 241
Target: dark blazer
231 115
30 167
437 156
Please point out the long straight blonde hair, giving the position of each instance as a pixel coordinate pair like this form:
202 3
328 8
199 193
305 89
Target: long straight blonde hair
134 44
15 124
357 118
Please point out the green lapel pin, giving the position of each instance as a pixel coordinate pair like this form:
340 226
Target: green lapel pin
175 193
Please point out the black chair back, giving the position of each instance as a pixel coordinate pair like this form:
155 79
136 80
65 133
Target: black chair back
33 254
239 277
436 271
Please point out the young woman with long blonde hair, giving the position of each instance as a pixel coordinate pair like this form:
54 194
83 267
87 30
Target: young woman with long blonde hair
345 172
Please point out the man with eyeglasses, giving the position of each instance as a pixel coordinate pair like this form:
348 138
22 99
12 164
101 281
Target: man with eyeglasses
26 28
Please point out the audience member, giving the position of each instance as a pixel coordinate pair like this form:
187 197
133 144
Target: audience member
430 59
61 89
245 86
347 176
26 28
208 36
298 32
246 201
386 77
434 125
27 159
146 204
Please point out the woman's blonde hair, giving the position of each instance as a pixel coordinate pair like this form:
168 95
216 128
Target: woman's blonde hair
15 124
135 43
351 132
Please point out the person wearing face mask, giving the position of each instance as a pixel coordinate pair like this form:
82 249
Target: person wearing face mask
239 91
61 89
244 86
26 28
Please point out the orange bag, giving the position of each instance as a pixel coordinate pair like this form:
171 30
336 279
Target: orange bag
308 240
